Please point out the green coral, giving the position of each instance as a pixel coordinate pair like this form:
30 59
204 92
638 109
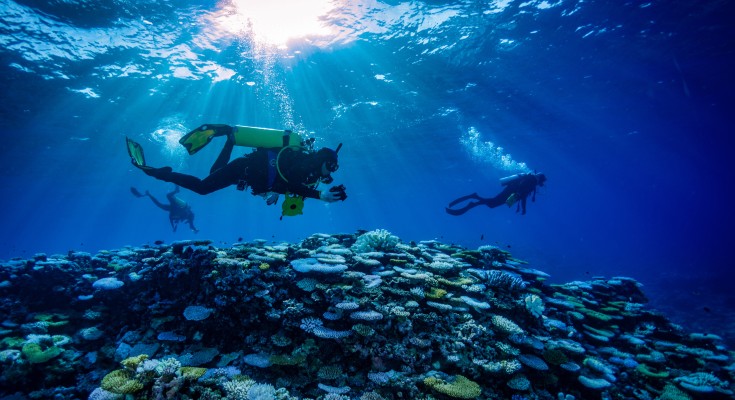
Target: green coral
52 319
436 293
12 342
284 359
363 330
192 373
121 381
555 356
132 363
596 314
460 388
647 371
37 355
672 392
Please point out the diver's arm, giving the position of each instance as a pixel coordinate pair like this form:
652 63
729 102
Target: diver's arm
330 196
191 225
523 205
160 205
305 191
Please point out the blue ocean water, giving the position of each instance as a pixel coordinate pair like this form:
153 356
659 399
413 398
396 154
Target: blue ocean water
625 106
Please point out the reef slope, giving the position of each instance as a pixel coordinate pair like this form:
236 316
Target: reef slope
343 316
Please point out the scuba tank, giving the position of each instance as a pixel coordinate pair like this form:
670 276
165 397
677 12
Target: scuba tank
248 136
508 179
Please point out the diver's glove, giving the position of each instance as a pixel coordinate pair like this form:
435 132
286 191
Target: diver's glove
271 199
340 192
333 194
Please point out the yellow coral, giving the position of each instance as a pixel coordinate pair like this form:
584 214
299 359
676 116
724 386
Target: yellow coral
120 381
264 266
36 355
192 373
132 363
436 293
53 319
456 283
461 388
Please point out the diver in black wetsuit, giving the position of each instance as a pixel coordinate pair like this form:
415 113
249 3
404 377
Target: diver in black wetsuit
517 189
268 172
178 210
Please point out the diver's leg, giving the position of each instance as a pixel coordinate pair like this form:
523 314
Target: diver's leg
224 155
498 200
171 196
472 196
460 211
220 179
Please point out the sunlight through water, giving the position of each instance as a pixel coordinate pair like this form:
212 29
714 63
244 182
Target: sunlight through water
275 22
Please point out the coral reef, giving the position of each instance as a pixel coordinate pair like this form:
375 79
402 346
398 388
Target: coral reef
341 316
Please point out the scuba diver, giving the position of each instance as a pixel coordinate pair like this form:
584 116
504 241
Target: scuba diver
178 210
280 164
517 189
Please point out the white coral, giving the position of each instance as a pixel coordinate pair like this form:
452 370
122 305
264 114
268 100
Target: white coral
534 305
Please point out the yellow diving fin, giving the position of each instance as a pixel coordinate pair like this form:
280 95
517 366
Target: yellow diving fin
201 136
135 151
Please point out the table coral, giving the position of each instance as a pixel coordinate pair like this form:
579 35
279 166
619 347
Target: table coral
459 388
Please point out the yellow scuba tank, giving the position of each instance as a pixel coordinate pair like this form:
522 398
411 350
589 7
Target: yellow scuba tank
249 136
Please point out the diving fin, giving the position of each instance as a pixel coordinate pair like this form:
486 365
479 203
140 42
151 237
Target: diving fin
136 153
201 136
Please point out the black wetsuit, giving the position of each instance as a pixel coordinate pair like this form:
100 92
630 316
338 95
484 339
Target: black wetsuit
299 171
522 186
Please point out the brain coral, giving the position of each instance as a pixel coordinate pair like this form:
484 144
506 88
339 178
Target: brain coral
377 240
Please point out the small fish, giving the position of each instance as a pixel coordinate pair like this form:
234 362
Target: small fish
482 237
239 239
706 309
158 242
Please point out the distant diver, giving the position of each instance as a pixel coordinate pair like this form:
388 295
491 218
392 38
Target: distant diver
517 189
178 210
280 164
